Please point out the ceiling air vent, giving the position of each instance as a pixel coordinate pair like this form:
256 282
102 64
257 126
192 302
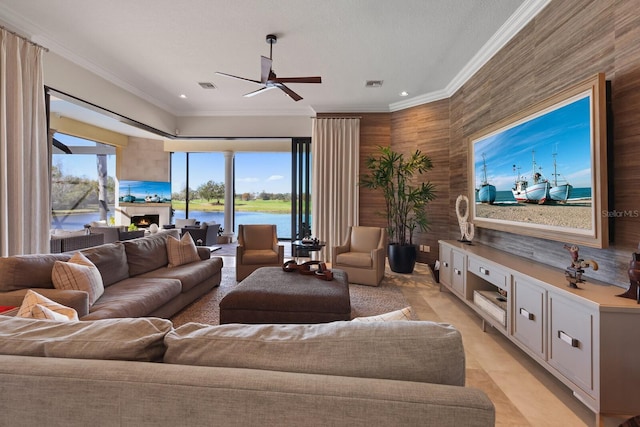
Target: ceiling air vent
207 85
373 83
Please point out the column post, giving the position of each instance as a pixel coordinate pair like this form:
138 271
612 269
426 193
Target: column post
228 194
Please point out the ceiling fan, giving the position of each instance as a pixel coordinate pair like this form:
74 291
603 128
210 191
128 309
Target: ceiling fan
268 78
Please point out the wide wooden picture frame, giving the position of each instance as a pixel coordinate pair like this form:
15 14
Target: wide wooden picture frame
543 172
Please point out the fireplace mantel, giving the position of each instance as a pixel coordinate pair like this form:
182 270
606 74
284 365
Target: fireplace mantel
126 210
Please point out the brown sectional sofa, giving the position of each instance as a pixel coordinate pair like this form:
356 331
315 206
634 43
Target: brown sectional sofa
136 279
409 373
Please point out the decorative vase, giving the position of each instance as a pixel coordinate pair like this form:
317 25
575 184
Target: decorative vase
402 258
634 279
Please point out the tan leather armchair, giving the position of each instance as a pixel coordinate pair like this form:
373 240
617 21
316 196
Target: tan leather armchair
257 247
362 255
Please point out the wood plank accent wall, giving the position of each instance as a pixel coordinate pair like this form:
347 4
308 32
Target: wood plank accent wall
567 42
426 128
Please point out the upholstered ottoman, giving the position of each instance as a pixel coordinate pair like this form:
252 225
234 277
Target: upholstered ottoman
271 295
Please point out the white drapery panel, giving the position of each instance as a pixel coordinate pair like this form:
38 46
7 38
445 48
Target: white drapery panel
334 184
24 164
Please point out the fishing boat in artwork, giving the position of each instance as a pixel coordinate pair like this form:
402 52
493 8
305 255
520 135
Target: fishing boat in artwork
536 191
128 198
560 191
486 192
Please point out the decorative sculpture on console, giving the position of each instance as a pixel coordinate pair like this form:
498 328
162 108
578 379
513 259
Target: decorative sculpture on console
573 273
467 229
634 278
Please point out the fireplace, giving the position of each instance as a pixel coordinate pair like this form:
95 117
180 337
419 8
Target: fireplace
144 221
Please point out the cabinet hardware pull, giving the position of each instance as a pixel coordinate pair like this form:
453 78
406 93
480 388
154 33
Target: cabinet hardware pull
484 271
446 264
458 272
573 342
526 314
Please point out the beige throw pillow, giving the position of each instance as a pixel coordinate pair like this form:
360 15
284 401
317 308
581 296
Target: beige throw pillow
37 306
403 314
181 251
79 274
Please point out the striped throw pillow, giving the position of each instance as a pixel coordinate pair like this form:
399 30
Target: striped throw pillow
80 274
37 306
181 251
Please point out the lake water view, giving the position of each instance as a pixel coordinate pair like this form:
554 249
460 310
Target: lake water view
282 221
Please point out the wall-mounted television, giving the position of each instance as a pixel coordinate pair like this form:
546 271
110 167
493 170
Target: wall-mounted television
141 192
543 172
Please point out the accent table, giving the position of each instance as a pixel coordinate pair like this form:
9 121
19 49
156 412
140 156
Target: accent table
299 248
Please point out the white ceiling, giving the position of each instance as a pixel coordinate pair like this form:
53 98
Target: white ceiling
160 49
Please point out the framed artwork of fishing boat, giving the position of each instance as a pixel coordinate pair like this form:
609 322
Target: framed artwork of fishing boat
543 172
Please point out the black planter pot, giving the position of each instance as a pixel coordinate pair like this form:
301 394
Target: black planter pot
402 258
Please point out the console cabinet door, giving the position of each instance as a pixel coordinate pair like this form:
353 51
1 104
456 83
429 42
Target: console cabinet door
445 265
529 315
458 271
571 329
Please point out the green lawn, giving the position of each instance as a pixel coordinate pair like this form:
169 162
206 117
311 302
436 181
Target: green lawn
259 205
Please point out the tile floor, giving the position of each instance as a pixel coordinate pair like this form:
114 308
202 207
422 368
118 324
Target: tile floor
523 393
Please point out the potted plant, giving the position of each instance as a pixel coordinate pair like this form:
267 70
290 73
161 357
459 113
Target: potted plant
405 199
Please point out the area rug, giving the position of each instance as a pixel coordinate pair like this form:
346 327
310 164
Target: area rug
365 300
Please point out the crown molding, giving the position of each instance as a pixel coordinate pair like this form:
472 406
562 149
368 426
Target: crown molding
516 22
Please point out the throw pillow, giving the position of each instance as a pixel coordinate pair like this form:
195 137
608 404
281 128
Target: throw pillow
403 314
181 251
79 274
39 307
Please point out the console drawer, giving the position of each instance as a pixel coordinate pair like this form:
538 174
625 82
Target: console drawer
489 272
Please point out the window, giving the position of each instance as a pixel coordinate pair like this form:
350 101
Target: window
82 182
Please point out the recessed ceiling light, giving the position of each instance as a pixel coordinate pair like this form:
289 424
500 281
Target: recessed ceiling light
183 95
404 93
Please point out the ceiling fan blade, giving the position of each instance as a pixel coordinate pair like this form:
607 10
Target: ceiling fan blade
289 92
236 77
298 79
255 92
265 68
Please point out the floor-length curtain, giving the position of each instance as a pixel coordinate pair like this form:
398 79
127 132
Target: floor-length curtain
334 184
24 171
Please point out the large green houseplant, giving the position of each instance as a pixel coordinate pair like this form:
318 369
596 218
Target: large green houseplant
406 196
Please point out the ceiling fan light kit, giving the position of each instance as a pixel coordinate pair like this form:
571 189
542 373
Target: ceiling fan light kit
268 78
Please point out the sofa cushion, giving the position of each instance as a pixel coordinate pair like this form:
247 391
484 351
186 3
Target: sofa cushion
134 297
114 339
355 259
148 253
28 271
181 251
412 351
79 274
39 307
190 275
111 260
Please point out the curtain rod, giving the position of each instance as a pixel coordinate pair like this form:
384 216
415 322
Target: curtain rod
23 38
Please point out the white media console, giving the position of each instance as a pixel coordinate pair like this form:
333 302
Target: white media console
588 338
